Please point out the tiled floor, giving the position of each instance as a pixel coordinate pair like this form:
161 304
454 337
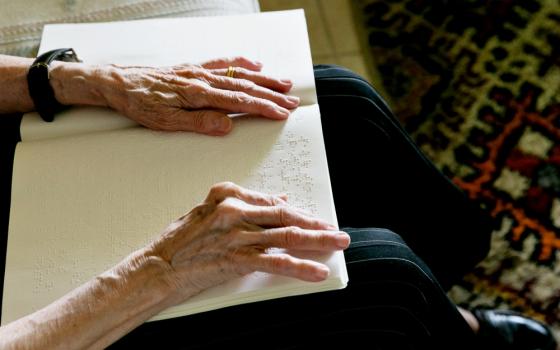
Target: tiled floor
332 32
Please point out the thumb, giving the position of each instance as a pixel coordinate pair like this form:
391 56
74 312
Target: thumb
204 121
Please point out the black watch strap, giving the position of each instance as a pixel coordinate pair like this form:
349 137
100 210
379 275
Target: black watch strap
40 89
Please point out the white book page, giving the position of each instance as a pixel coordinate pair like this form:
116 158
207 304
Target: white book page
80 204
102 187
278 39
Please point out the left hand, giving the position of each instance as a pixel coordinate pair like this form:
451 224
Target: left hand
234 232
192 97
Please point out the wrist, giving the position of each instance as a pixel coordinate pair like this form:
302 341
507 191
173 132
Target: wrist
145 277
100 311
156 278
79 84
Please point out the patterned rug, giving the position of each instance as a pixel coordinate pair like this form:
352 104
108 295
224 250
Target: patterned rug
477 84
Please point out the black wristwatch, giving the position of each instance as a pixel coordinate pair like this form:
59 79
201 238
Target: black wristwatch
40 89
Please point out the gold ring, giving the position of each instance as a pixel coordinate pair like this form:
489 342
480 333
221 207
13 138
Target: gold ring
230 72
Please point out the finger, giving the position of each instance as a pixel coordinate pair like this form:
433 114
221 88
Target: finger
207 122
241 102
281 216
255 90
287 265
238 61
296 238
281 85
303 211
309 213
224 190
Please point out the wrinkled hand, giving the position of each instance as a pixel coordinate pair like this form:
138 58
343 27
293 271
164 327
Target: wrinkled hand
231 234
196 98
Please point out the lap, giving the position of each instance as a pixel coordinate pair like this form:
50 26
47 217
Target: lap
381 179
392 301
376 257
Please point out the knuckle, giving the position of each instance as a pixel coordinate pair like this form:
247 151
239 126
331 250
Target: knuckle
214 196
198 120
247 85
219 187
186 70
165 123
273 200
233 259
242 98
229 189
214 190
228 208
197 87
168 77
317 223
233 236
200 210
240 59
242 262
204 75
293 236
280 263
324 239
197 70
243 71
269 106
222 190
281 215
196 94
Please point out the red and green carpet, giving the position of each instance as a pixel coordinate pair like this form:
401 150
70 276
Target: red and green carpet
477 84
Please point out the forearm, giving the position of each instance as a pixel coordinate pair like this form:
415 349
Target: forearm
14 95
73 84
99 312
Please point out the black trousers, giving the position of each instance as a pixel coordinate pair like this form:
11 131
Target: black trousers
393 300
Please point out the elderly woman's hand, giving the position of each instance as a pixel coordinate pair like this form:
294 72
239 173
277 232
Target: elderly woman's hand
231 234
186 97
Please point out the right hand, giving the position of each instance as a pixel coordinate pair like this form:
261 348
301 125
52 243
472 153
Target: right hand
229 235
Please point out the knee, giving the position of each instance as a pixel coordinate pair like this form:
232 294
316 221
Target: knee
333 70
373 235
332 80
381 254
348 79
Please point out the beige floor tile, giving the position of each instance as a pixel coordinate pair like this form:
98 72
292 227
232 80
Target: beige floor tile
340 25
319 40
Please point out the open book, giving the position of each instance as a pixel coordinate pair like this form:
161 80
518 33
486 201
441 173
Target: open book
91 187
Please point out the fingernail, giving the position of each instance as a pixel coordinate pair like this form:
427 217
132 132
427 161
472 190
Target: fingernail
331 227
293 99
258 63
221 124
284 112
286 81
342 240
